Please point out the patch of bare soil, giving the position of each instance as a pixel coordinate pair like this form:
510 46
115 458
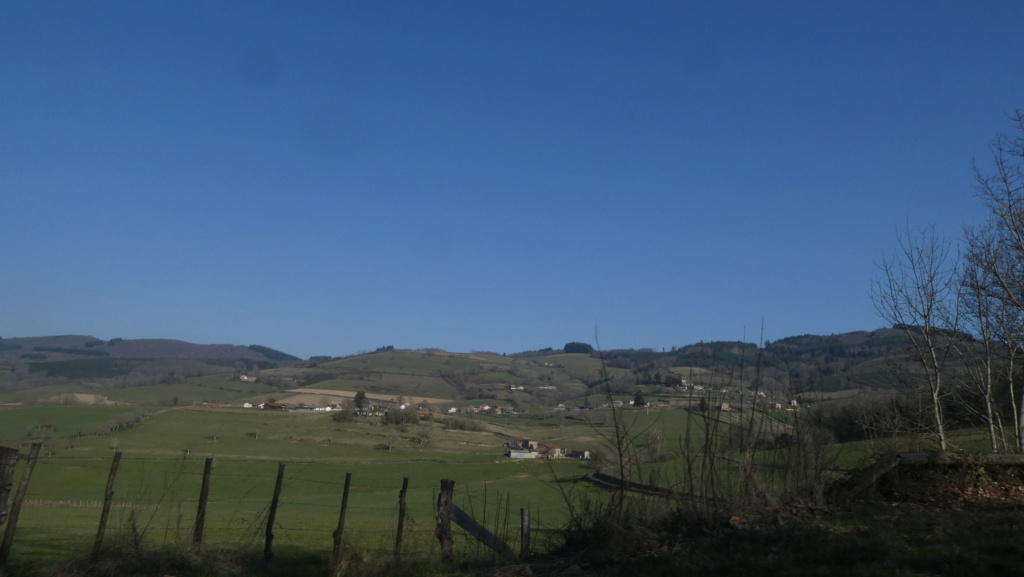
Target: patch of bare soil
82 399
372 396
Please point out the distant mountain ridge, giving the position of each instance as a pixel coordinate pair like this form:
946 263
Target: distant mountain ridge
68 347
77 363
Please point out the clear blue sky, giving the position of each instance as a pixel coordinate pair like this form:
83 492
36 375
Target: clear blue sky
329 177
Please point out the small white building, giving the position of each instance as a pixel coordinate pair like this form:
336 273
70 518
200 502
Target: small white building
521 454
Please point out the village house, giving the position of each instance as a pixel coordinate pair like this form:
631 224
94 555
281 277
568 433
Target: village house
556 451
523 448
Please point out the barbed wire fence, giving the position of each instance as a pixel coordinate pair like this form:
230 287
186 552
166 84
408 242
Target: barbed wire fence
180 505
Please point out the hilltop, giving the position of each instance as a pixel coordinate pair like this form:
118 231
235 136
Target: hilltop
34 369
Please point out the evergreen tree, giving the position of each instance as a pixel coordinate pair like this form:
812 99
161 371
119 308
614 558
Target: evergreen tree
577 347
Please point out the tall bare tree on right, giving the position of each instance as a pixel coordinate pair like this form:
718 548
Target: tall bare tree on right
917 290
997 249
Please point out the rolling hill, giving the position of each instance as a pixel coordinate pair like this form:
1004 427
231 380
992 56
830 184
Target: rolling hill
170 372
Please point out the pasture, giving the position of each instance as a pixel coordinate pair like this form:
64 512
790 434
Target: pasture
163 456
164 449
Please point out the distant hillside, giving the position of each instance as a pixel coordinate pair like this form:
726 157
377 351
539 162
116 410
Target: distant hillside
169 371
796 364
548 376
73 362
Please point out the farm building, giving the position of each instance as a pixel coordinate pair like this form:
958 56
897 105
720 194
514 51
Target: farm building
521 454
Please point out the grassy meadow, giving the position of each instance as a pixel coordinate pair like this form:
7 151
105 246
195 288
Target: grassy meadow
163 456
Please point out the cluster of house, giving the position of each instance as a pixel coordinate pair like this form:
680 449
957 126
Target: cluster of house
484 408
685 385
764 403
287 407
523 448
369 410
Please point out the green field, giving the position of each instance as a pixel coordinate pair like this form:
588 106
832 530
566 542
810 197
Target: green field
212 388
163 455
24 423
157 499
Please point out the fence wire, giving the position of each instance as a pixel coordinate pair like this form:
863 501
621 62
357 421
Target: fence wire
155 505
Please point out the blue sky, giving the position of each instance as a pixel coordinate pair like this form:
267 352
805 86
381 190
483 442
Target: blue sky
330 177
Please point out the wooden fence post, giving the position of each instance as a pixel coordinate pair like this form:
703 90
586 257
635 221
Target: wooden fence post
8 460
268 547
336 558
108 497
401 519
482 534
443 531
19 497
524 536
204 494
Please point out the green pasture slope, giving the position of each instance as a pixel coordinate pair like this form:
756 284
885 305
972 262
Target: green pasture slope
33 423
162 462
433 373
222 388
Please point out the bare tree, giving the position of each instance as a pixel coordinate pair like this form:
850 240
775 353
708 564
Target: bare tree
1010 334
979 355
997 249
916 290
